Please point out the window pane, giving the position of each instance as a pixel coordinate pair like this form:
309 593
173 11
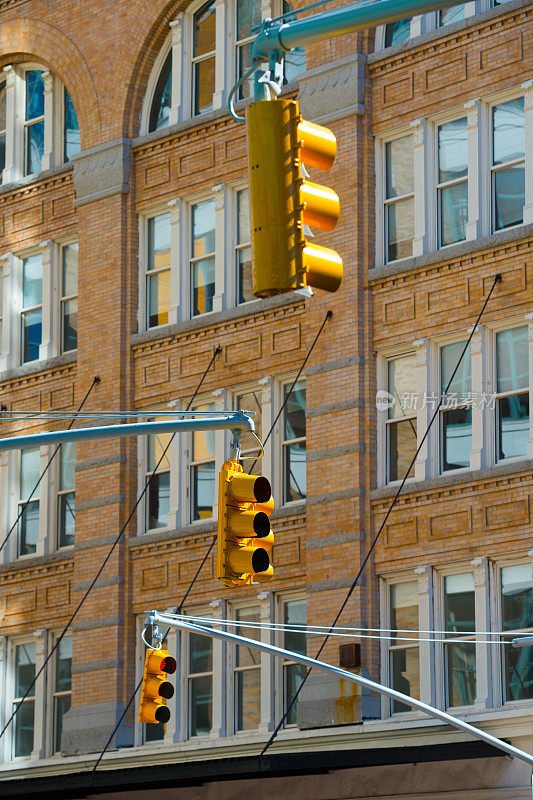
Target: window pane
61 706
162 99
251 401
69 283
405 669
201 705
244 268
203 491
453 150
459 603
402 447
401 381
513 426
64 665
397 32
461 673
512 360
158 298
159 500
449 357
24 668
295 411
68 466
243 216
71 130
3 104
157 444
203 282
456 438
203 442
293 64
67 518
244 62
453 14
159 241
453 208
2 152
34 94
295 472
153 732
203 228
399 167
30 472
34 147
23 733
247 699
294 675
70 325
517 613
248 17
400 229
404 608
29 528
204 86
200 653
32 332
32 281
295 613
509 196
204 30
246 656
508 121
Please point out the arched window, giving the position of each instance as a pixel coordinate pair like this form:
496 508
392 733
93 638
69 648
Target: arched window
397 32
2 127
71 128
162 99
203 60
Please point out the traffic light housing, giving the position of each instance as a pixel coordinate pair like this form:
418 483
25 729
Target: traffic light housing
244 538
156 690
282 200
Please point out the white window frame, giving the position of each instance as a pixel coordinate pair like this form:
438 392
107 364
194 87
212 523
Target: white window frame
56 492
39 639
52 694
381 191
234 670
187 676
439 343
234 245
278 442
282 663
63 298
493 101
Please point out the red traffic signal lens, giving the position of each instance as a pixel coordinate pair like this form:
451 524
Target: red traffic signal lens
162 714
168 665
262 489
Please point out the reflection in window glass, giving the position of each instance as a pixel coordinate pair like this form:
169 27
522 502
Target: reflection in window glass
452 189
71 128
63 687
32 310
294 613
243 250
247 677
158 473
203 59
34 121
248 17
3 97
512 386
69 297
517 616
200 685
453 14
251 401
30 472
158 270
203 257
294 444
508 165
162 100
397 32
404 657
460 656
399 198
67 495
456 410
401 417
202 471
24 720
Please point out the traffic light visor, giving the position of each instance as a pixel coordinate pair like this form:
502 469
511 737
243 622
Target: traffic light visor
318 145
250 488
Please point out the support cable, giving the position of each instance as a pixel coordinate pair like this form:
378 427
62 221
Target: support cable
280 724
106 559
96 381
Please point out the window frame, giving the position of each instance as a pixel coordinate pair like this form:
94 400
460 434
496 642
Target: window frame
24 310
283 383
191 259
152 416
239 247
497 100
501 327
59 494
384 422
442 185
382 202
65 298
11 700
53 694
39 498
188 676
193 464
282 600
386 647
234 669
439 460
194 9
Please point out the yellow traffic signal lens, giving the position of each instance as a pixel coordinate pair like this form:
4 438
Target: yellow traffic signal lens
323 267
318 145
250 488
321 206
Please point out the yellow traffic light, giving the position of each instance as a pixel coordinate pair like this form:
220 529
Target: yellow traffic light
282 200
156 689
244 539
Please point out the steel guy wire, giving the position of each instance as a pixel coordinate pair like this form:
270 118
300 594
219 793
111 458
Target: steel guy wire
278 727
106 559
96 381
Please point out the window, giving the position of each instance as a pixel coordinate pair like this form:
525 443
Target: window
203 59
508 163
517 618
248 14
66 496
512 393
449 15
158 499
200 682
251 401
202 263
460 654
71 128
397 32
62 688
34 121
30 471
404 665
401 422
3 114
294 444
24 720
452 186
399 198
243 250
32 307
455 421
69 297
247 673
158 270
295 614
202 471
162 99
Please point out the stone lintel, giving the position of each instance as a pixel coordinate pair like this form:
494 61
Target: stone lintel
102 171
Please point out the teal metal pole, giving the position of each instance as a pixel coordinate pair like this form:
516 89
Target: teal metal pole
232 421
284 36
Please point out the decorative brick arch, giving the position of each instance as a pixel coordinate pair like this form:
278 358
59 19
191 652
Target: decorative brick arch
25 39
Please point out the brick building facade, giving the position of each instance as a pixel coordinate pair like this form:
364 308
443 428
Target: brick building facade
124 255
